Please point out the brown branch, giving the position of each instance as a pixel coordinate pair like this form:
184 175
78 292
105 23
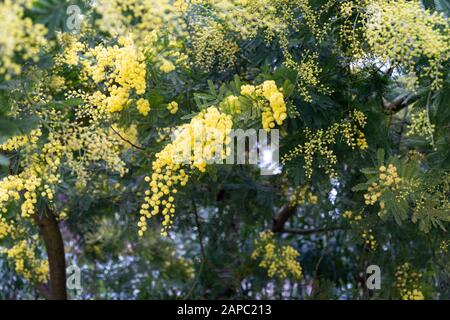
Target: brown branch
309 231
399 103
49 230
282 217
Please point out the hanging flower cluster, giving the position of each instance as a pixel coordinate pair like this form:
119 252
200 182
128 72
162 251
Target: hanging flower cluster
420 125
319 142
195 144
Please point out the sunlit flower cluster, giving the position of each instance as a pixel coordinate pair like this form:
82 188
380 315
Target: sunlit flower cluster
270 100
408 283
211 46
194 145
279 260
16 142
400 33
172 107
319 143
119 68
143 106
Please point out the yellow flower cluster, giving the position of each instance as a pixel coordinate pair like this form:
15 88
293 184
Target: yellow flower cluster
36 179
172 107
143 107
167 66
121 17
443 246
126 136
399 32
16 142
20 37
121 68
351 217
351 29
72 49
408 283
270 101
26 263
194 145
84 146
420 125
369 239
308 72
388 179
302 196
319 142
5 228
280 261
403 31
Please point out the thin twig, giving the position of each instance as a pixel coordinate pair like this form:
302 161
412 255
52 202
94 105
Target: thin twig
126 140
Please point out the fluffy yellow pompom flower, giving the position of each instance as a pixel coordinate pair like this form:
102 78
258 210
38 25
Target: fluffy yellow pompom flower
172 107
143 106
270 100
167 66
269 87
248 90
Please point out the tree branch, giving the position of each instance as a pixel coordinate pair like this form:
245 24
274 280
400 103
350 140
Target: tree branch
399 103
126 140
282 217
49 229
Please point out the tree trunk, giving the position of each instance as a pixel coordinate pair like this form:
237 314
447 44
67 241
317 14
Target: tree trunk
49 230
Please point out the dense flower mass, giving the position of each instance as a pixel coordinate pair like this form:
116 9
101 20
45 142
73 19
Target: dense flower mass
270 101
195 144
122 70
400 33
19 37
